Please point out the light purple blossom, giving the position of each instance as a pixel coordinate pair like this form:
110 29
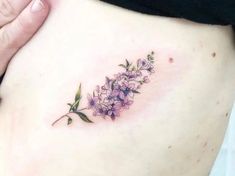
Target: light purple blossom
127 89
146 79
126 103
130 75
114 110
92 101
150 69
143 63
100 111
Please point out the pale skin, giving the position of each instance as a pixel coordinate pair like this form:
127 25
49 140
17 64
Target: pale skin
175 127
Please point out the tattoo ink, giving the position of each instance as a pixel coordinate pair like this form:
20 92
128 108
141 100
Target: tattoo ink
116 95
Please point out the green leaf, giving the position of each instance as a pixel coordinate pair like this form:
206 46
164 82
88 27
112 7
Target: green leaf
133 68
121 65
70 120
127 63
71 107
75 105
135 91
83 117
78 94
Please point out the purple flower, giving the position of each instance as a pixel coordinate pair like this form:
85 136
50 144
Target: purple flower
151 69
138 73
100 111
114 110
126 103
97 89
143 64
92 101
126 90
146 79
111 95
130 75
119 76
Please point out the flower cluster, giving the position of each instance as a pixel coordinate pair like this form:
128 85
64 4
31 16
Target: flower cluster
118 92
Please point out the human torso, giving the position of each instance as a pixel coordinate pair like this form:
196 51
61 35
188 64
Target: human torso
174 127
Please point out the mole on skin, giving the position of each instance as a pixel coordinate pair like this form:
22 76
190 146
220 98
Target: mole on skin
171 60
213 54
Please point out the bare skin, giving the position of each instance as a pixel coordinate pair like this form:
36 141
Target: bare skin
175 127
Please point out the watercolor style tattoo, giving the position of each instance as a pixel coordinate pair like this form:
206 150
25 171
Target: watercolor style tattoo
116 94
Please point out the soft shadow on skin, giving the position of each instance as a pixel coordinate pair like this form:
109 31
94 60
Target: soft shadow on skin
54 3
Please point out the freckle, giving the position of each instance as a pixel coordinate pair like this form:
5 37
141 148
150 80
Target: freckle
205 144
198 161
198 136
226 114
212 149
169 147
218 102
171 60
213 54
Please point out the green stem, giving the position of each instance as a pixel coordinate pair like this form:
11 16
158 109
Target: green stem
66 115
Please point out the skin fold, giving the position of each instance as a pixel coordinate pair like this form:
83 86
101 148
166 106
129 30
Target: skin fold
175 126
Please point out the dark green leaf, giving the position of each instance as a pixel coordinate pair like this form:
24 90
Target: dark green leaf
135 91
127 63
70 120
70 104
78 94
83 117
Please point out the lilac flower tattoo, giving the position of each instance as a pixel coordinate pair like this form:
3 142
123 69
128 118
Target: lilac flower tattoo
116 95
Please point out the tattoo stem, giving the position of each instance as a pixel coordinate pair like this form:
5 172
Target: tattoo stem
82 109
66 115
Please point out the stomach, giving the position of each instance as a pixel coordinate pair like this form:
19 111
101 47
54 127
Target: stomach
175 126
